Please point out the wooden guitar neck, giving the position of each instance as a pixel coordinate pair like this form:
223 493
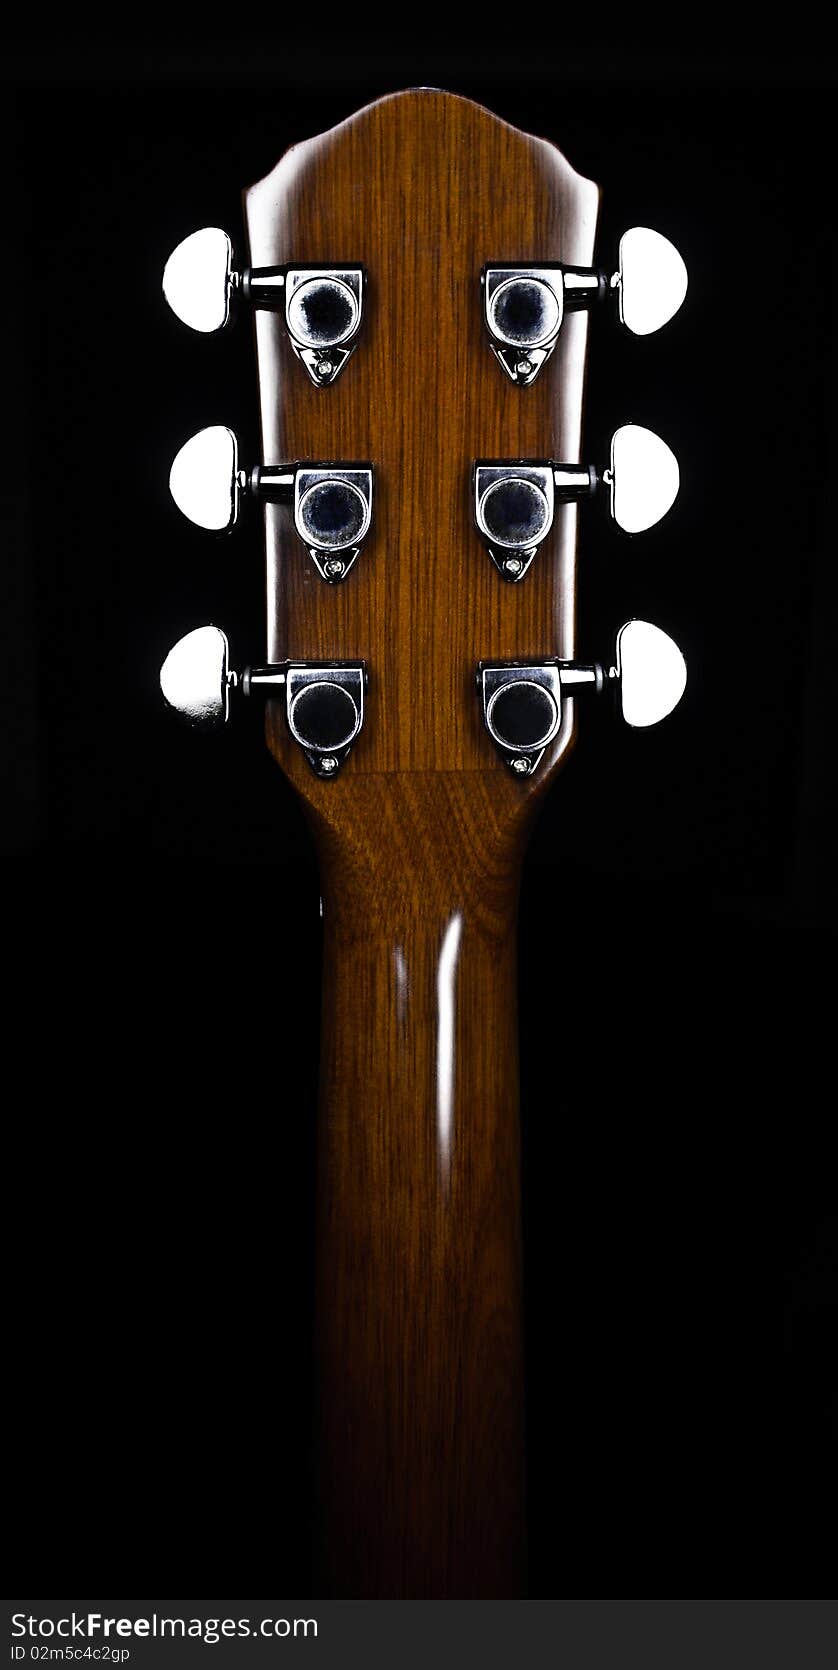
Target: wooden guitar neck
420 1418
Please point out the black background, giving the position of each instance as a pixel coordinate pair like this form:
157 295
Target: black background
678 911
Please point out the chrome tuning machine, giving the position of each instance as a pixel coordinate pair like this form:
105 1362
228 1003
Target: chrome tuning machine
332 502
324 701
514 502
522 700
322 305
524 304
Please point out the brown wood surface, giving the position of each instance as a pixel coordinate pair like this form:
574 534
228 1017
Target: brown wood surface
420 1401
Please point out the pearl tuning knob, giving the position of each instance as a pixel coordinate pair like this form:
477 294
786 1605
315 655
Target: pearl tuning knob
322 305
643 477
196 680
204 479
198 281
651 281
650 672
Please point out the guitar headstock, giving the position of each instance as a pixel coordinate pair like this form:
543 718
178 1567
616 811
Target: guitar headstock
422 188
422 279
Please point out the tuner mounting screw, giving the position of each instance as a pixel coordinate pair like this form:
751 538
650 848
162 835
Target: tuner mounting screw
513 565
521 766
324 368
334 568
523 367
328 764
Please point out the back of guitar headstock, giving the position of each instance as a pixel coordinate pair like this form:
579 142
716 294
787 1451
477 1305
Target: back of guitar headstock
421 281
421 190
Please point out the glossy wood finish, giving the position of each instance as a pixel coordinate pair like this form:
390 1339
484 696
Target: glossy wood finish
419 1282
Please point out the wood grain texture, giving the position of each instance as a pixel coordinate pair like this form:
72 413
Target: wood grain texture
420 1425
420 1417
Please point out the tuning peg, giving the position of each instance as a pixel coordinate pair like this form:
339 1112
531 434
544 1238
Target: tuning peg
322 305
650 672
523 304
205 481
332 502
324 701
199 282
650 282
643 478
522 700
196 680
514 502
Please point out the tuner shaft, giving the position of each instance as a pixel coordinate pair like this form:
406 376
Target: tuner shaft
262 286
274 482
574 481
583 287
266 681
575 675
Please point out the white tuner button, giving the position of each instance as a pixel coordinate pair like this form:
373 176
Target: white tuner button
652 280
195 678
203 480
652 673
196 279
644 478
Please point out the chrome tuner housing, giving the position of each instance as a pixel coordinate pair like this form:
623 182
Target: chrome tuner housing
522 710
324 701
513 511
323 305
323 308
522 700
332 514
325 711
514 502
523 308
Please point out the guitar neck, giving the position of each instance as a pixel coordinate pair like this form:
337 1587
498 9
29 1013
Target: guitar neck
420 1414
